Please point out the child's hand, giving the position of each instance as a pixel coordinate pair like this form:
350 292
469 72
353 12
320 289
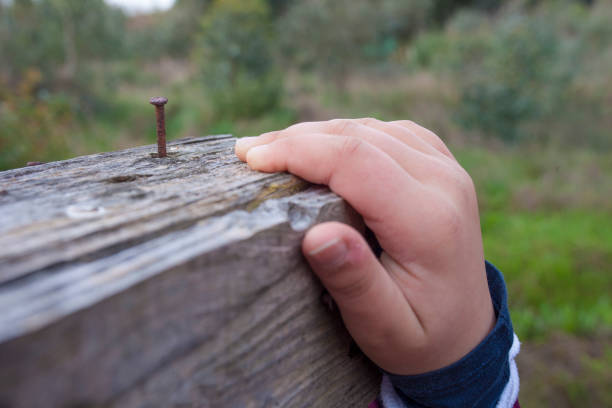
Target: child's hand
425 303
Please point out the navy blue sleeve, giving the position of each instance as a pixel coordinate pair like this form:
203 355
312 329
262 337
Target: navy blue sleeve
478 379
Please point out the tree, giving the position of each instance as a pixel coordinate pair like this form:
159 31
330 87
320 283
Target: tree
334 36
180 25
515 74
57 35
234 51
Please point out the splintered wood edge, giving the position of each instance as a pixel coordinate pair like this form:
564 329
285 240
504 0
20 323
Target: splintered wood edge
31 305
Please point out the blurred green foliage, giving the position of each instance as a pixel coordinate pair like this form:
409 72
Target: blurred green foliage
24 118
547 225
47 82
235 55
525 72
55 37
521 70
521 90
348 32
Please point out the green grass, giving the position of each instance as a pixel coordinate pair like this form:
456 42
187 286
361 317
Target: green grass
547 224
546 218
557 268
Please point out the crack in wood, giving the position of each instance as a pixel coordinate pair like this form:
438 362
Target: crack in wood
130 281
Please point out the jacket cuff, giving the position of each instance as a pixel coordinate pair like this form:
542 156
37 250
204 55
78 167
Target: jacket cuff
478 380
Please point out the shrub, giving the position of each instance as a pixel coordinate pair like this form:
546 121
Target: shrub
527 74
32 128
336 36
235 56
519 76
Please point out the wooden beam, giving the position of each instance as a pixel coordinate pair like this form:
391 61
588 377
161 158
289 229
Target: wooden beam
130 280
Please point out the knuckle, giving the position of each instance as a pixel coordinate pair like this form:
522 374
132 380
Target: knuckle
275 134
438 143
293 129
340 126
350 146
468 190
435 138
426 135
450 220
367 121
464 180
352 287
405 123
460 190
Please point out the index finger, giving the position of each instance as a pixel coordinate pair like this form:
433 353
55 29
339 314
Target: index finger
371 181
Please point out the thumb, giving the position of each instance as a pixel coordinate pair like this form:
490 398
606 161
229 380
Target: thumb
373 308
343 261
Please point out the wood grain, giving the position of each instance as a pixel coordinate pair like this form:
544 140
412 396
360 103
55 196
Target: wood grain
133 281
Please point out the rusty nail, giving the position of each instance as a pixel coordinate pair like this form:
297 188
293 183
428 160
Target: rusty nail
159 102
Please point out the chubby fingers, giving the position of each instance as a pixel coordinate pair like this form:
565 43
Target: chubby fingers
411 136
363 128
417 158
243 145
354 169
426 135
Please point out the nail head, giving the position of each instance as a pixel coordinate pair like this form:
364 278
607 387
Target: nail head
158 101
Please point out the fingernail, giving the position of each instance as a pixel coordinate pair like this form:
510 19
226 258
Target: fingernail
257 156
244 142
330 254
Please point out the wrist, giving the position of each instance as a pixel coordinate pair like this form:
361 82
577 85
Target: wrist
478 378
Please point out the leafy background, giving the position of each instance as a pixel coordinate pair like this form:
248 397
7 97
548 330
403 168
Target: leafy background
521 91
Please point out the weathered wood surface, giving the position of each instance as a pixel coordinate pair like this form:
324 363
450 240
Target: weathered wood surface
130 280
